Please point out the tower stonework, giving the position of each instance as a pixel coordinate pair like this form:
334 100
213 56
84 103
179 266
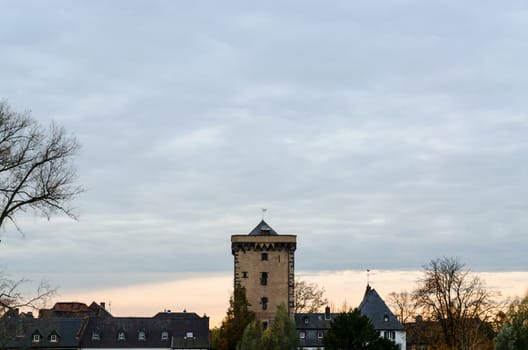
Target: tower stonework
264 265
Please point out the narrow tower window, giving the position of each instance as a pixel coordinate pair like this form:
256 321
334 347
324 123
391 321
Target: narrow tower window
264 257
264 302
264 278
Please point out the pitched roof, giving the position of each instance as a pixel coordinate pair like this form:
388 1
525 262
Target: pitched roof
377 311
18 332
263 229
176 326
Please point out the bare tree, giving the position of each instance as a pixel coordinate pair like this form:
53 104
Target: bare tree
403 305
457 299
12 296
36 167
309 297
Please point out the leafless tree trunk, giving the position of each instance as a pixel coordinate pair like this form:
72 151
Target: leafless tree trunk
36 167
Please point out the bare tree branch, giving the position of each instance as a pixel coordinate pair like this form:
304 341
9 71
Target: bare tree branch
36 167
458 300
309 297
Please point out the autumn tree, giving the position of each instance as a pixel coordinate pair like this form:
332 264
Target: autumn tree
238 316
514 332
309 297
36 167
457 299
354 331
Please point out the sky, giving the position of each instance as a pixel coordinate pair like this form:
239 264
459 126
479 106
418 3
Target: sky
383 134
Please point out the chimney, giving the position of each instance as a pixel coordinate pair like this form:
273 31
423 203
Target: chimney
327 313
103 305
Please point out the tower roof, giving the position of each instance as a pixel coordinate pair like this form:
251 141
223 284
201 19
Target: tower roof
377 311
263 229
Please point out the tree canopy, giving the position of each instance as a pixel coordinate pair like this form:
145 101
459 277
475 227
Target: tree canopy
238 317
309 297
457 299
514 332
354 331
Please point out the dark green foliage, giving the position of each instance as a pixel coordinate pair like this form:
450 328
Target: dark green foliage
514 333
280 335
353 331
228 336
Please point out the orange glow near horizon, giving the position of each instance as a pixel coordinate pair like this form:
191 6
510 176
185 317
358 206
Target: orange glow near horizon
209 293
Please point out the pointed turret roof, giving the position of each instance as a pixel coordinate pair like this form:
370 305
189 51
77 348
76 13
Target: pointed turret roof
377 311
263 229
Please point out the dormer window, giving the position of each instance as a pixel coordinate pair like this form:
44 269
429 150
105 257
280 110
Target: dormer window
142 336
306 320
54 338
302 334
36 338
189 335
164 335
386 318
121 335
96 335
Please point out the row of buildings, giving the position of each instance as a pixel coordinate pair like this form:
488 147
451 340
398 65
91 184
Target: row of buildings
264 264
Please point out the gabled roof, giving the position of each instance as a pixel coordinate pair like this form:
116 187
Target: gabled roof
377 311
263 229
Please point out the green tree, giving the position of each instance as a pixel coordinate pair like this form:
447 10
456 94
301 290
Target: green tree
514 332
238 316
354 331
252 337
281 334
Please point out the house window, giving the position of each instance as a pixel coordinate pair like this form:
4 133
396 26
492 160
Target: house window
263 278
53 338
264 302
141 336
302 334
96 335
244 274
164 335
306 320
386 318
121 335
36 338
389 335
189 335
264 256
320 334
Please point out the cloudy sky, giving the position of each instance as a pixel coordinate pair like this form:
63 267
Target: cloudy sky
382 133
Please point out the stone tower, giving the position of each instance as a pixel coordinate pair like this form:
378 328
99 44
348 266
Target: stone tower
264 265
